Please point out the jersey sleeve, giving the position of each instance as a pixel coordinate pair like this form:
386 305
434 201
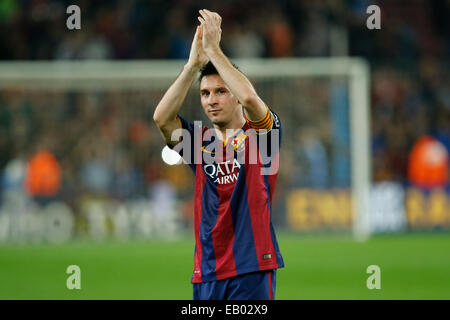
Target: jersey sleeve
264 124
264 127
268 136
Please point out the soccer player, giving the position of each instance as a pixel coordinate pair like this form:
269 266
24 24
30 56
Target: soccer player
236 250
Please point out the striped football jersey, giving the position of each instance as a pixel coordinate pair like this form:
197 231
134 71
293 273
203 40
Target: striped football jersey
234 233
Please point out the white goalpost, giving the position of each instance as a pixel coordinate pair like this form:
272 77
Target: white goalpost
94 75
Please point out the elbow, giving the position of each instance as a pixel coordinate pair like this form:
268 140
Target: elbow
162 122
157 119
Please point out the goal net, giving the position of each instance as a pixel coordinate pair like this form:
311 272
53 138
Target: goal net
81 157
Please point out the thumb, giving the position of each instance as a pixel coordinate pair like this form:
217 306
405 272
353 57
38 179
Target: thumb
200 32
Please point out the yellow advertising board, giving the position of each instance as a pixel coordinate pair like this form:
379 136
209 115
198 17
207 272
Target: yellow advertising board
309 209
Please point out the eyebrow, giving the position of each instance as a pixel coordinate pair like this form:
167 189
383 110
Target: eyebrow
215 89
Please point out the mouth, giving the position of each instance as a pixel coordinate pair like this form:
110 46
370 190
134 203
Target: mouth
214 111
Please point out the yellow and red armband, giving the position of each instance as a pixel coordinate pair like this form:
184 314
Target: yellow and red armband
264 123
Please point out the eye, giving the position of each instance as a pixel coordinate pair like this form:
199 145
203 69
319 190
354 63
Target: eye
205 93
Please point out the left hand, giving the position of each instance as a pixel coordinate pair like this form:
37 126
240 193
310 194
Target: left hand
212 32
197 56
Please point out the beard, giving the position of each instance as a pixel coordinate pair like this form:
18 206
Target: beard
219 121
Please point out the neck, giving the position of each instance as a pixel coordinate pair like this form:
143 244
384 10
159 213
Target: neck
234 125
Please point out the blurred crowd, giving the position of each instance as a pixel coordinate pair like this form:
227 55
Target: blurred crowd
73 143
92 143
161 29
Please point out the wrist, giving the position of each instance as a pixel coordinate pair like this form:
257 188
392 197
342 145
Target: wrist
213 51
192 67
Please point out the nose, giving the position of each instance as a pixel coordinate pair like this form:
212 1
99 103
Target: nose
212 99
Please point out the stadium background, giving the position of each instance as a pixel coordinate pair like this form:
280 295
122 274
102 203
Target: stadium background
101 153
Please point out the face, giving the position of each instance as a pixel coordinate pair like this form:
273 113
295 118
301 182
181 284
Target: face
219 104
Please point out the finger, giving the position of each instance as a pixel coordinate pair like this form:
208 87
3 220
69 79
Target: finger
206 15
197 33
200 32
206 11
213 16
202 21
203 14
210 13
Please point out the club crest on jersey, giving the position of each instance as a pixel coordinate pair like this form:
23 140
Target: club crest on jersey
238 142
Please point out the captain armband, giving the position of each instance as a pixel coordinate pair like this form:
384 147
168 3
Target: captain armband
265 123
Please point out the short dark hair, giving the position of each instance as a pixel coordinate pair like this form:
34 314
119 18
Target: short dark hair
209 69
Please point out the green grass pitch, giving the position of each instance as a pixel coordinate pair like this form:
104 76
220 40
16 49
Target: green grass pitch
413 266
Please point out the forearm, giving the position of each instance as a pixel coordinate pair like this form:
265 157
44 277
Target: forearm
174 97
238 84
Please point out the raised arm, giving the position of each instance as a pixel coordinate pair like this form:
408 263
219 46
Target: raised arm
165 115
237 82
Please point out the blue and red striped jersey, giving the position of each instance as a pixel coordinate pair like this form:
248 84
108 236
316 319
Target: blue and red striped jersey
234 233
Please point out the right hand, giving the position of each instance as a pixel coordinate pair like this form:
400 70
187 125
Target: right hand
197 56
